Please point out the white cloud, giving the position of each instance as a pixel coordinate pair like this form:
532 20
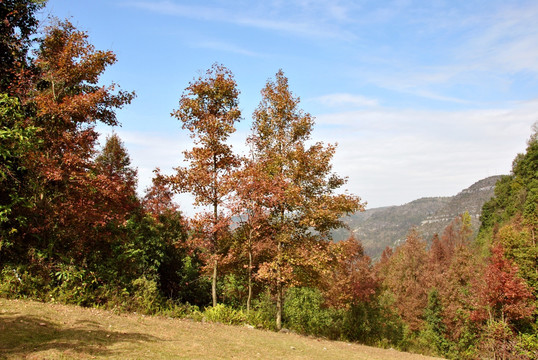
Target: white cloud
393 156
344 100
259 18
507 41
226 47
466 55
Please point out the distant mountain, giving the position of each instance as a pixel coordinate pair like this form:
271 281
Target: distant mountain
388 226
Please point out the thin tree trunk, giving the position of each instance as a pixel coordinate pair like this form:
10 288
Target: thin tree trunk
214 283
215 235
279 300
249 298
279 307
279 290
215 268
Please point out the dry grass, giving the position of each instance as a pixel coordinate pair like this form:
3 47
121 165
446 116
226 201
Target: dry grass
32 330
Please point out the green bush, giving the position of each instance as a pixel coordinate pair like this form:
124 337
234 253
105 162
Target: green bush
304 312
176 309
233 289
224 314
392 331
363 322
19 282
263 312
432 337
73 286
527 346
146 297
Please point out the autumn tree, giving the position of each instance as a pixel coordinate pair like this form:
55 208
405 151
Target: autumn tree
504 296
159 198
249 206
451 270
381 267
351 278
456 235
72 198
209 110
406 280
302 204
114 162
457 286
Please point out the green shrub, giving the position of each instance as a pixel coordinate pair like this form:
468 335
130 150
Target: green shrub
176 309
112 297
391 329
146 297
363 322
233 289
74 286
432 339
263 312
19 282
225 314
527 346
304 312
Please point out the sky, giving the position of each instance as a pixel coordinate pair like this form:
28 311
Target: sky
423 98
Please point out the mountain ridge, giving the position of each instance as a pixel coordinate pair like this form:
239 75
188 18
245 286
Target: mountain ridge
385 226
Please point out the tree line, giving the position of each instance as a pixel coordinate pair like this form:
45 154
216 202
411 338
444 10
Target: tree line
74 230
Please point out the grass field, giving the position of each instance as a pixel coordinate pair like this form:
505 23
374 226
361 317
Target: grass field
33 330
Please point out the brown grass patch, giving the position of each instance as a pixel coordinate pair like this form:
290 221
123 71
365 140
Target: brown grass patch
33 330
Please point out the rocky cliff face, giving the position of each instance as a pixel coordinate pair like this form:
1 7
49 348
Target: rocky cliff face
388 226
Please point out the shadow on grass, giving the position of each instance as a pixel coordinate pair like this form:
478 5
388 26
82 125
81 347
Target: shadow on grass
23 335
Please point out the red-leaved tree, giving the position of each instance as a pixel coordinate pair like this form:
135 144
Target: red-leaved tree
209 109
75 197
504 295
351 278
406 279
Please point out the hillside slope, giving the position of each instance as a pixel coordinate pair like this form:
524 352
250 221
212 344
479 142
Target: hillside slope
387 226
33 330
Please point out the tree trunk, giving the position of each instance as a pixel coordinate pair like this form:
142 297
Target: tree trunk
215 235
279 306
214 283
249 298
279 290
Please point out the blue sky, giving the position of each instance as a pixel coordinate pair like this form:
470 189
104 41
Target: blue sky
424 98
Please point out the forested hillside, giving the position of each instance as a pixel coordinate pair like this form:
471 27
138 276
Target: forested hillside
378 228
260 251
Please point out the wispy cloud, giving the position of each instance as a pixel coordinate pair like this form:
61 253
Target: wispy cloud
508 41
392 145
259 18
393 156
226 47
453 54
346 100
